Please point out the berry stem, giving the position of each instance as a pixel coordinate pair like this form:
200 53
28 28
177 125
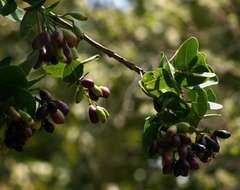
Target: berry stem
98 46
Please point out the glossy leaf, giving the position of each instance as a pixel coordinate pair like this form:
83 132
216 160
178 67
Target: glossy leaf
185 53
55 71
73 71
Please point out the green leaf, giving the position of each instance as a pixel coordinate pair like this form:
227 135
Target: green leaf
150 134
200 104
28 27
12 76
8 8
185 53
32 60
79 94
211 95
5 61
214 106
76 15
55 71
34 81
52 6
73 71
25 101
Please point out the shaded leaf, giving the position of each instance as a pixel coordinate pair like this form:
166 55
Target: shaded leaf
55 71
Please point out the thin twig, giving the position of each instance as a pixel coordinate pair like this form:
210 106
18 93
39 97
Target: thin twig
100 47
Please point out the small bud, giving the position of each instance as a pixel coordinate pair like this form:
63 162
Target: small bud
92 96
105 91
172 129
101 113
26 118
45 95
13 114
62 106
58 117
223 134
36 125
87 83
97 91
93 114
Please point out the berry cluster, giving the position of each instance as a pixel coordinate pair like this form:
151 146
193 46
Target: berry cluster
59 45
20 127
181 148
94 92
56 109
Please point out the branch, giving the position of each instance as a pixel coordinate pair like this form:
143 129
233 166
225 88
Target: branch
100 47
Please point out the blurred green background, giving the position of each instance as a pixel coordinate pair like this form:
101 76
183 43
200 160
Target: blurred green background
82 156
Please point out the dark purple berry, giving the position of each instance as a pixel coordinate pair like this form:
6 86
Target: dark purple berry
52 106
93 114
154 148
87 83
71 38
58 117
198 147
40 40
68 53
181 167
194 164
105 91
48 126
41 112
62 106
185 139
58 38
167 164
176 140
223 134
212 144
183 152
28 132
45 95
